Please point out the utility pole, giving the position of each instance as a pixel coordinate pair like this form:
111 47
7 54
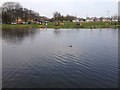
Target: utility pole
107 13
86 15
75 15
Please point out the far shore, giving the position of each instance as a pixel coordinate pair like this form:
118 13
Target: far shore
72 25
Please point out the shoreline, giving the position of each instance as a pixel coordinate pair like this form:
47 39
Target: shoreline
69 25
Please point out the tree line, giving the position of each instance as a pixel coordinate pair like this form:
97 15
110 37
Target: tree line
58 17
12 11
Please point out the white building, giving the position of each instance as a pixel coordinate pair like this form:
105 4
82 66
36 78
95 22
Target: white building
77 20
89 19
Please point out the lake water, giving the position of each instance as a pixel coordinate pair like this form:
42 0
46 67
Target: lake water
43 58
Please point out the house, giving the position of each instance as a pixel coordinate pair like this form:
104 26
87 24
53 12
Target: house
88 19
98 20
107 19
81 19
94 19
76 20
19 21
114 20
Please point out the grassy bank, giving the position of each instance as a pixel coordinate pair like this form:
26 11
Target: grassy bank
66 25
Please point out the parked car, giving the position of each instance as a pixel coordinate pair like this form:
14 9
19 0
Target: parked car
24 22
14 23
29 23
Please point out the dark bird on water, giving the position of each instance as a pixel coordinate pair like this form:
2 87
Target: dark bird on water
70 46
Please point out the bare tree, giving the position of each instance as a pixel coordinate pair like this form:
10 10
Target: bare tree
0 14
56 16
10 11
25 15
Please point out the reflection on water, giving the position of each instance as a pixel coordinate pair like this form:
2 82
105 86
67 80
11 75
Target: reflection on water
17 36
57 32
43 58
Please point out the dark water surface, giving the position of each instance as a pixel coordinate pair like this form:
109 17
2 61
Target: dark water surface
42 58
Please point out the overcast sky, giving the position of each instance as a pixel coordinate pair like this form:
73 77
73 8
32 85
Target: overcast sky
80 8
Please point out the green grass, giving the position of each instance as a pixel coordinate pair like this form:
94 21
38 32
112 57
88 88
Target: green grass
18 26
66 25
85 25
